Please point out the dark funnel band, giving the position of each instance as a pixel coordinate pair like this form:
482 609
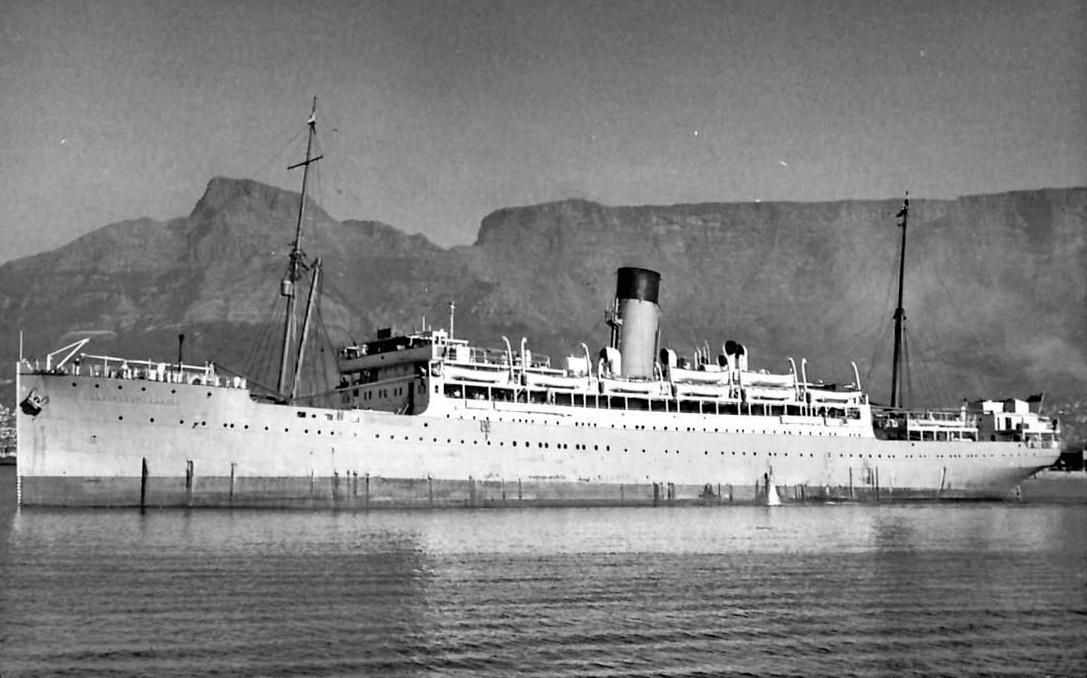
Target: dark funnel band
638 283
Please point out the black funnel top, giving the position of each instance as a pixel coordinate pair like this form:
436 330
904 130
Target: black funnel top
638 283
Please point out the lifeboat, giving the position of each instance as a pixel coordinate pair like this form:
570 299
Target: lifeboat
819 396
559 381
688 376
767 379
763 393
624 387
479 375
702 390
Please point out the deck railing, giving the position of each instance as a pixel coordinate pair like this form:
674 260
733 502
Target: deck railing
111 367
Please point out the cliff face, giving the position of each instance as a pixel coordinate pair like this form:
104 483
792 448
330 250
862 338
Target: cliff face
996 296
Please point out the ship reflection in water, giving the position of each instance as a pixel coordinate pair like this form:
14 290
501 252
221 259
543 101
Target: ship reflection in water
805 590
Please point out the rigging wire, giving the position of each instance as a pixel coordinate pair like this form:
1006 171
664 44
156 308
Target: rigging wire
345 172
236 330
254 360
954 306
936 379
316 190
884 321
879 347
939 382
908 373
259 169
322 364
264 356
325 349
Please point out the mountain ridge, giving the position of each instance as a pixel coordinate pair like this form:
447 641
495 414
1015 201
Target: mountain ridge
995 282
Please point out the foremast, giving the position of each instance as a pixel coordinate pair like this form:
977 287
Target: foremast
296 265
900 312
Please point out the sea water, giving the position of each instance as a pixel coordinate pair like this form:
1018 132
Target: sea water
846 590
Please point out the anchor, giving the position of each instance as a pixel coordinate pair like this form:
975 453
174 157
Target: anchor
33 403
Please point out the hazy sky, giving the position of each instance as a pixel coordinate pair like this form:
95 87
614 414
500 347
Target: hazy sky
432 114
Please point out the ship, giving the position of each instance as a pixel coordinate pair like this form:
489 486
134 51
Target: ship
427 419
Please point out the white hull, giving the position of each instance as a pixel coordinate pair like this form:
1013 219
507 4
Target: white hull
204 445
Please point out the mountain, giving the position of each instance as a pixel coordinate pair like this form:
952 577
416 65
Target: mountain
995 302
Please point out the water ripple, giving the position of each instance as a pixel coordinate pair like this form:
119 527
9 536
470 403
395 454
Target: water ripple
843 591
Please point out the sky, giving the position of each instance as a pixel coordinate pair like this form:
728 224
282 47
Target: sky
432 114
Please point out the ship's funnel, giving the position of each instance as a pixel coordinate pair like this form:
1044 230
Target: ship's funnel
636 295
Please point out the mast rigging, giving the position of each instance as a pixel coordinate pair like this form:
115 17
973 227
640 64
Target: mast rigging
295 266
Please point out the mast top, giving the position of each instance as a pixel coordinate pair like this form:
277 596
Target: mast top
311 122
904 213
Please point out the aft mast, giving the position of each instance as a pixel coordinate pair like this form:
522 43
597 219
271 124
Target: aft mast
296 266
900 312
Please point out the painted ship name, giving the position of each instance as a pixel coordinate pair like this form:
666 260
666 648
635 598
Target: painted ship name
131 400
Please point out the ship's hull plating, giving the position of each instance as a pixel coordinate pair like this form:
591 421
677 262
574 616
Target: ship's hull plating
115 442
